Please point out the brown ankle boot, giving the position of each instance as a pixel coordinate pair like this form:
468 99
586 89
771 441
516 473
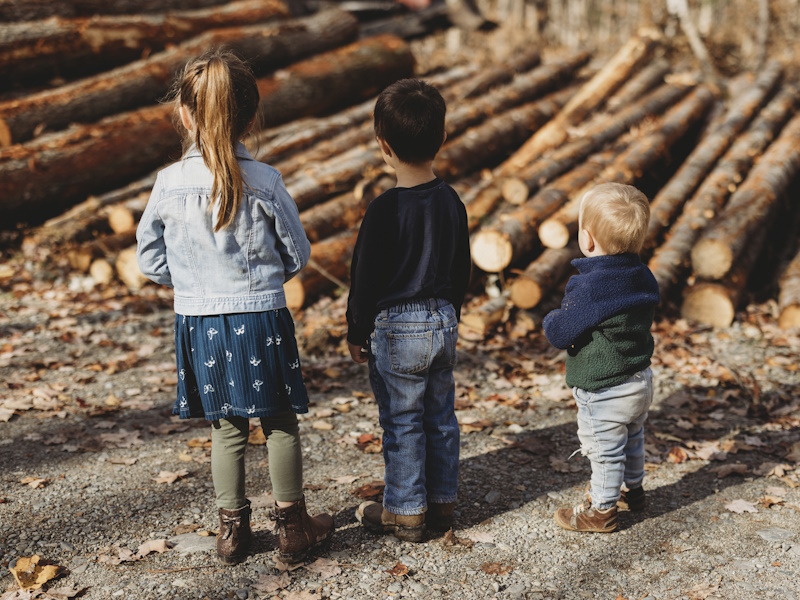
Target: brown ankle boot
233 540
584 517
375 518
298 532
440 516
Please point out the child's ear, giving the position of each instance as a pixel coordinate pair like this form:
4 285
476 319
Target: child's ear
586 241
385 148
186 118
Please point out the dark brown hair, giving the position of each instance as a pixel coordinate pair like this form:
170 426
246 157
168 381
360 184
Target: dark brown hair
220 92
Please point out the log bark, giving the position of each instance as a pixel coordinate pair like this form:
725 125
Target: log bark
331 260
629 166
543 274
334 80
497 136
501 74
145 81
594 92
670 259
670 199
409 26
789 297
524 88
477 322
69 47
645 80
751 207
512 235
597 133
344 211
481 202
32 10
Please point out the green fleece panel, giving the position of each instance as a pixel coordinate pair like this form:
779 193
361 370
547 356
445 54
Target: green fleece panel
612 352
228 445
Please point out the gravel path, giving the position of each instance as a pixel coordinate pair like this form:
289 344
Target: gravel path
90 379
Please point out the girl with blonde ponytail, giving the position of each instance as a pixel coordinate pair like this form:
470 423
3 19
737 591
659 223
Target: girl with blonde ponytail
221 230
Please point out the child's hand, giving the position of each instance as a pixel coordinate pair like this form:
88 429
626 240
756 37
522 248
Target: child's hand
358 353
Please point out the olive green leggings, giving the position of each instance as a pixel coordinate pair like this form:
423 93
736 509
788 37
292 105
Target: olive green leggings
228 444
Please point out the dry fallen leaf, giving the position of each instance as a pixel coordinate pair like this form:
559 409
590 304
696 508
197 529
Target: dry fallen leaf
324 567
677 455
122 461
451 539
702 591
370 490
31 573
482 537
34 482
153 546
282 566
496 568
268 584
64 593
399 570
344 479
740 506
170 477
734 469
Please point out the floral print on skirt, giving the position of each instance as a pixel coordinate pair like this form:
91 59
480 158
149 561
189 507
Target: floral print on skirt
241 364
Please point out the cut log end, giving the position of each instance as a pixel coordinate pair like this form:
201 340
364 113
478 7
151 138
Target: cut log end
554 234
711 259
709 305
515 191
525 293
5 134
790 317
128 270
491 251
295 294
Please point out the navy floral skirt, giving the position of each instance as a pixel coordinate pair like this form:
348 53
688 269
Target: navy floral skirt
242 364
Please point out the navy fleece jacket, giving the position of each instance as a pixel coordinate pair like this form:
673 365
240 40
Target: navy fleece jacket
604 320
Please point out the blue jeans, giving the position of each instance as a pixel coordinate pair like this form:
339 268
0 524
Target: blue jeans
411 360
611 431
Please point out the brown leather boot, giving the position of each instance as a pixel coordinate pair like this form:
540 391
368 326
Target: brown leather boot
440 516
375 518
586 518
233 540
298 532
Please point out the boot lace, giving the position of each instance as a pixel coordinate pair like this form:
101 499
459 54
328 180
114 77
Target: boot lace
582 507
230 523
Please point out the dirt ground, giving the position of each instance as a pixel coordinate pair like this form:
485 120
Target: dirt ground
87 446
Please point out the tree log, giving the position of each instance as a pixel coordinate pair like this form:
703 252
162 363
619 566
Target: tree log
613 74
543 275
670 259
629 166
513 234
477 322
789 297
597 133
637 86
145 81
32 10
344 211
128 270
670 199
500 74
751 208
480 202
497 136
331 261
56 46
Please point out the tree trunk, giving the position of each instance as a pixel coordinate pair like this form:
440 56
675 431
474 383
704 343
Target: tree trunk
594 92
497 136
751 208
147 80
409 25
542 275
477 322
649 77
32 10
511 235
670 199
72 47
670 259
599 132
789 298
481 203
344 211
501 74
333 80
331 261
524 88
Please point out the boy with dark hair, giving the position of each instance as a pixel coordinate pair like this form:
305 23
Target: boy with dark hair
409 275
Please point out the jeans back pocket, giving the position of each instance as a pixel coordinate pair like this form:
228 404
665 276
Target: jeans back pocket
410 352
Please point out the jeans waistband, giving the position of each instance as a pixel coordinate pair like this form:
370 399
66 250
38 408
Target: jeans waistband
416 306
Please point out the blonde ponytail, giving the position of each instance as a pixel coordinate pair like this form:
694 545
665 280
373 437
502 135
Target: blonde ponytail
221 94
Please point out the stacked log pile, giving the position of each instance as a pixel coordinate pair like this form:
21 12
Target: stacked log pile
526 140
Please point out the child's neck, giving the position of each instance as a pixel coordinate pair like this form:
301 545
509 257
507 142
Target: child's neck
409 175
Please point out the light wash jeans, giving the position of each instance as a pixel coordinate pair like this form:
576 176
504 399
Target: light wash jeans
411 360
611 431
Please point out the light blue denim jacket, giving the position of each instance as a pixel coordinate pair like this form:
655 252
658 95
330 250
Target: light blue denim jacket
240 268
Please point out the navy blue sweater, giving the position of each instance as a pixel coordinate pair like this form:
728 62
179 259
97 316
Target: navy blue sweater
413 244
604 320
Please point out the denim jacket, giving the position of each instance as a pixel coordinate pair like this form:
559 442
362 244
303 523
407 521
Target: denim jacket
240 268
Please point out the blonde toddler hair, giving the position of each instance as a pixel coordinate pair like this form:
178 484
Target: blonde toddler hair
617 216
